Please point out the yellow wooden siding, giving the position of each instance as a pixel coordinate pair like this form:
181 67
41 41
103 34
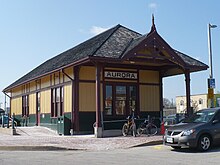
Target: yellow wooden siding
45 82
32 104
16 91
87 97
69 72
26 88
52 79
121 69
68 98
87 73
32 86
148 76
16 106
149 98
144 52
57 78
61 77
45 101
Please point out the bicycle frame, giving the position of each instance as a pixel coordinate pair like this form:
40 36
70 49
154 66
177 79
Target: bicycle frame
129 126
148 127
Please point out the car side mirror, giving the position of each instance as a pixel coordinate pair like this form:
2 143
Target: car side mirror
215 121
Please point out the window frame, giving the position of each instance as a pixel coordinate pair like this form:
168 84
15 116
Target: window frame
57 99
127 110
25 106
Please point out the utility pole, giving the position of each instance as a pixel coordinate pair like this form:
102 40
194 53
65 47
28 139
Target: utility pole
211 80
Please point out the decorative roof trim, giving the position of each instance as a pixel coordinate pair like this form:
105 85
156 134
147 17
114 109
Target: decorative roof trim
146 40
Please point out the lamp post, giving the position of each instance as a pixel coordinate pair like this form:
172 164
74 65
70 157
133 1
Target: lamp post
211 80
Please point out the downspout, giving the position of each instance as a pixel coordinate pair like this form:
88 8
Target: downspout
72 80
75 91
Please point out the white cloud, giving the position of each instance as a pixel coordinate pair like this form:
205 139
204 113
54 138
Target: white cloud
152 6
97 30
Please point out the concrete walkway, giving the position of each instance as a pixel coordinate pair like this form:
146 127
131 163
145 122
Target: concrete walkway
41 138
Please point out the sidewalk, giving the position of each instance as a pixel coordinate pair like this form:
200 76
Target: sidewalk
47 140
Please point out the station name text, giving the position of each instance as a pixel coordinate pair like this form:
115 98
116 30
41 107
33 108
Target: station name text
120 75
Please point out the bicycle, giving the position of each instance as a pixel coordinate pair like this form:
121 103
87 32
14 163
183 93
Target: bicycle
147 127
129 126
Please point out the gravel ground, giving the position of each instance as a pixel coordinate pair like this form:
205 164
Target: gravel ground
47 138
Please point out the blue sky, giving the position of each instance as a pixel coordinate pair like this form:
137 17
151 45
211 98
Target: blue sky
33 31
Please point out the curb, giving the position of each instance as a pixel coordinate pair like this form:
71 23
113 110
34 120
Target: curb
158 142
33 148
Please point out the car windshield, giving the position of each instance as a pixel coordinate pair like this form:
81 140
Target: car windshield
203 116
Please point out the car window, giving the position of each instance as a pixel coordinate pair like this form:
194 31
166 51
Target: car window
200 116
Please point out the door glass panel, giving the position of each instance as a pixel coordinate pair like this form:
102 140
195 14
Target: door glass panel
120 103
108 100
132 98
57 94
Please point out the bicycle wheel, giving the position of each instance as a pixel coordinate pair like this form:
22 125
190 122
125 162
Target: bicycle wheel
125 129
140 129
151 130
133 130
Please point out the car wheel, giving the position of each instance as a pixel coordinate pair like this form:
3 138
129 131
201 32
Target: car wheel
176 147
204 143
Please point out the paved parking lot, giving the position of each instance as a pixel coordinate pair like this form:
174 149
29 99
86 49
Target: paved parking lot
151 155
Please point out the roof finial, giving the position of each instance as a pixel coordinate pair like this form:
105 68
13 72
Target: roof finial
153 27
152 19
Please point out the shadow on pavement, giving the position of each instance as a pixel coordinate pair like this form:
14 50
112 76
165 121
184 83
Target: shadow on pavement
188 150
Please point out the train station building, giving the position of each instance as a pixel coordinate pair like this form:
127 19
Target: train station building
100 80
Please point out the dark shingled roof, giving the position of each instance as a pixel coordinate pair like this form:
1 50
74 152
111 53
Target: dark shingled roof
189 60
135 42
113 43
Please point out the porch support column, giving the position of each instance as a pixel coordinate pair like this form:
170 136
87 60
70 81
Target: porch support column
161 96
189 110
98 128
75 100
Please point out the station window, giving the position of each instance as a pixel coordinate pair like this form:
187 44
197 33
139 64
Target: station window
120 99
200 101
25 106
108 100
57 102
182 102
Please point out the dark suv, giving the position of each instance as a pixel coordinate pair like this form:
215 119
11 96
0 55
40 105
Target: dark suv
200 131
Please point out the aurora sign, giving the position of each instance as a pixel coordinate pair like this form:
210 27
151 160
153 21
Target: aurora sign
121 75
